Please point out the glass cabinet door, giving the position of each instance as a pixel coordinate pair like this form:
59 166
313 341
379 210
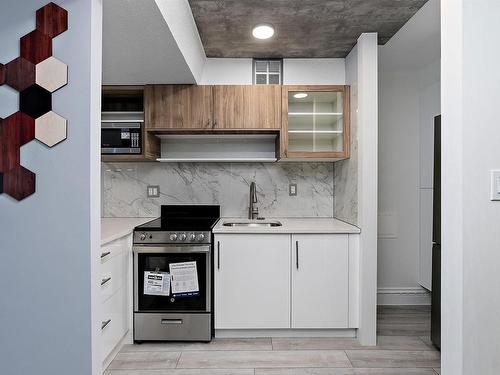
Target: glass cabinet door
316 122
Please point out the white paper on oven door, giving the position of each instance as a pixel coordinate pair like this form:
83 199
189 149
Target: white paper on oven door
184 279
156 283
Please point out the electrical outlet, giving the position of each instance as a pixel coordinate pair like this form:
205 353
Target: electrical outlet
153 191
292 190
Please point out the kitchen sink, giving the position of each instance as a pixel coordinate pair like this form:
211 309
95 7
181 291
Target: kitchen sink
252 224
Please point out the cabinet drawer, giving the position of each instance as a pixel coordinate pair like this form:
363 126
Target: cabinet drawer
157 326
109 252
114 321
115 248
113 275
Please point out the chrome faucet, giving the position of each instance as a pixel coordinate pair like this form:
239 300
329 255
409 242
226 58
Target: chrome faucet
253 211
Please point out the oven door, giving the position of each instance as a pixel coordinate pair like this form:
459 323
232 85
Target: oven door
158 259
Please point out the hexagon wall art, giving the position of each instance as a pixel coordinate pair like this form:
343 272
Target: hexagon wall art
36 74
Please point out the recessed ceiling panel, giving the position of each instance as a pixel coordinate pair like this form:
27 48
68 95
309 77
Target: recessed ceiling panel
303 28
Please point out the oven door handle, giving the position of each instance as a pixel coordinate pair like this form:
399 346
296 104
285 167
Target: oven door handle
171 321
205 248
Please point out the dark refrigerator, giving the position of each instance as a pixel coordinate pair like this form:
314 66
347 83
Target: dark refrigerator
436 239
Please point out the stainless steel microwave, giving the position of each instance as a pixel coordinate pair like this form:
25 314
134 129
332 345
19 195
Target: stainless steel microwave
121 133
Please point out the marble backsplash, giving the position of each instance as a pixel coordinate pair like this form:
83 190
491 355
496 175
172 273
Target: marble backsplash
124 188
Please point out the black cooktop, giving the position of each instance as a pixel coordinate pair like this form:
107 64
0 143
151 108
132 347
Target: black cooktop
187 217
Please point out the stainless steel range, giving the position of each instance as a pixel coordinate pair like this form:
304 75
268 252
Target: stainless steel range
173 271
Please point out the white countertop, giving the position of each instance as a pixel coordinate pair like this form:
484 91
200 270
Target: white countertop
116 227
290 225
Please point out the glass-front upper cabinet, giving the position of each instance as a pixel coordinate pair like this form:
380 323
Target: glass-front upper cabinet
315 122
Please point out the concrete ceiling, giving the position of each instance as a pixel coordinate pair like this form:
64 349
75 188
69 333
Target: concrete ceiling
139 46
304 28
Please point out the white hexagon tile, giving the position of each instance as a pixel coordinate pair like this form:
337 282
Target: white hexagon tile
50 129
51 74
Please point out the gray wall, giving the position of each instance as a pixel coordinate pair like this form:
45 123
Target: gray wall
227 184
45 316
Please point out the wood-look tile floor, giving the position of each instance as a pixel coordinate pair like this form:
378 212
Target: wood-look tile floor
403 348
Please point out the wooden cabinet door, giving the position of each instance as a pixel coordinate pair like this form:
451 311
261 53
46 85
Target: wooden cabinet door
177 107
247 107
252 281
316 122
320 281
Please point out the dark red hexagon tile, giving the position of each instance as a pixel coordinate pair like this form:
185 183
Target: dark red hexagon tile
52 20
15 131
19 183
20 74
35 101
36 46
2 74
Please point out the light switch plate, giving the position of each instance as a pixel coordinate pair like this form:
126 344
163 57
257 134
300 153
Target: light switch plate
495 185
153 191
292 190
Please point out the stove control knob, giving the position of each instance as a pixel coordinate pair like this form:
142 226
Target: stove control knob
183 237
173 237
200 237
192 237
143 236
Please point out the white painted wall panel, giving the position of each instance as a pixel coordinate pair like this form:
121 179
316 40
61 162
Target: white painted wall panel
227 72
471 139
221 71
314 71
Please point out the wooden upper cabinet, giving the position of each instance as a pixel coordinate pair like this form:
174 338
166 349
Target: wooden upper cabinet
247 107
178 107
316 122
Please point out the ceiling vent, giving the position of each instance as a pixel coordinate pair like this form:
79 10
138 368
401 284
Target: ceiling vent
267 71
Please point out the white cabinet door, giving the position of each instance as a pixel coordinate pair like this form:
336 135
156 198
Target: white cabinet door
320 281
252 281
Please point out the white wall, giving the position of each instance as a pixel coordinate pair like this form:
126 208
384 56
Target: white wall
227 72
295 72
138 53
367 129
470 149
313 71
49 246
346 171
180 21
409 99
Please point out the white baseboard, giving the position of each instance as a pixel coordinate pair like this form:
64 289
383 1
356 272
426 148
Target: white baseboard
403 296
107 361
253 333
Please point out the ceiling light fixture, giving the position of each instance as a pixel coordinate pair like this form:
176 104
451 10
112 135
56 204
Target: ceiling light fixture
300 95
263 31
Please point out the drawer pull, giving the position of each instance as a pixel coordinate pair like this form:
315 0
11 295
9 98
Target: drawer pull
218 255
105 254
171 321
297 254
104 281
104 324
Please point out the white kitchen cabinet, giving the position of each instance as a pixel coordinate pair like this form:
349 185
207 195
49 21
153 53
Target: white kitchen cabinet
252 281
115 263
320 281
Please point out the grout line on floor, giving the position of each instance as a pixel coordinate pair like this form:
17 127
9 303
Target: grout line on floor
178 359
349 359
